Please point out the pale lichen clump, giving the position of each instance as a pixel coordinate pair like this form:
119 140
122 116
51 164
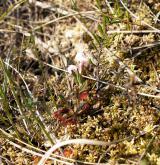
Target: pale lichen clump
150 38
153 158
144 14
131 40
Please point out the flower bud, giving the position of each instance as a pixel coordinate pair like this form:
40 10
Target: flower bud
82 61
72 68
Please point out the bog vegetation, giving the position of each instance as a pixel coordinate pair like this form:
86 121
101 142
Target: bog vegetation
79 82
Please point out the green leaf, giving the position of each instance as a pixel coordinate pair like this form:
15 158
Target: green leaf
97 38
98 4
105 21
100 29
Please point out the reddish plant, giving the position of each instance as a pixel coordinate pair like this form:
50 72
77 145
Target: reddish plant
86 106
84 95
66 116
68 152
70 121
62 116
84 109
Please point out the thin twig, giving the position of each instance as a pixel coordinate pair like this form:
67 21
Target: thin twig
131 31
145 151
146 46
157 16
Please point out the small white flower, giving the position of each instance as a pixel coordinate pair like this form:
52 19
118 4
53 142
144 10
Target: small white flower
72 68
82 60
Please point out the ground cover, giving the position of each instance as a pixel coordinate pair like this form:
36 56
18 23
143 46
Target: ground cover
80 82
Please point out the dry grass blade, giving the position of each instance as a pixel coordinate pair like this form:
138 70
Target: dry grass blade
74 141
31 95
88 142
11 84
29 148
29 92
11 9
36 153
131 31
143 22
58 19
147 46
